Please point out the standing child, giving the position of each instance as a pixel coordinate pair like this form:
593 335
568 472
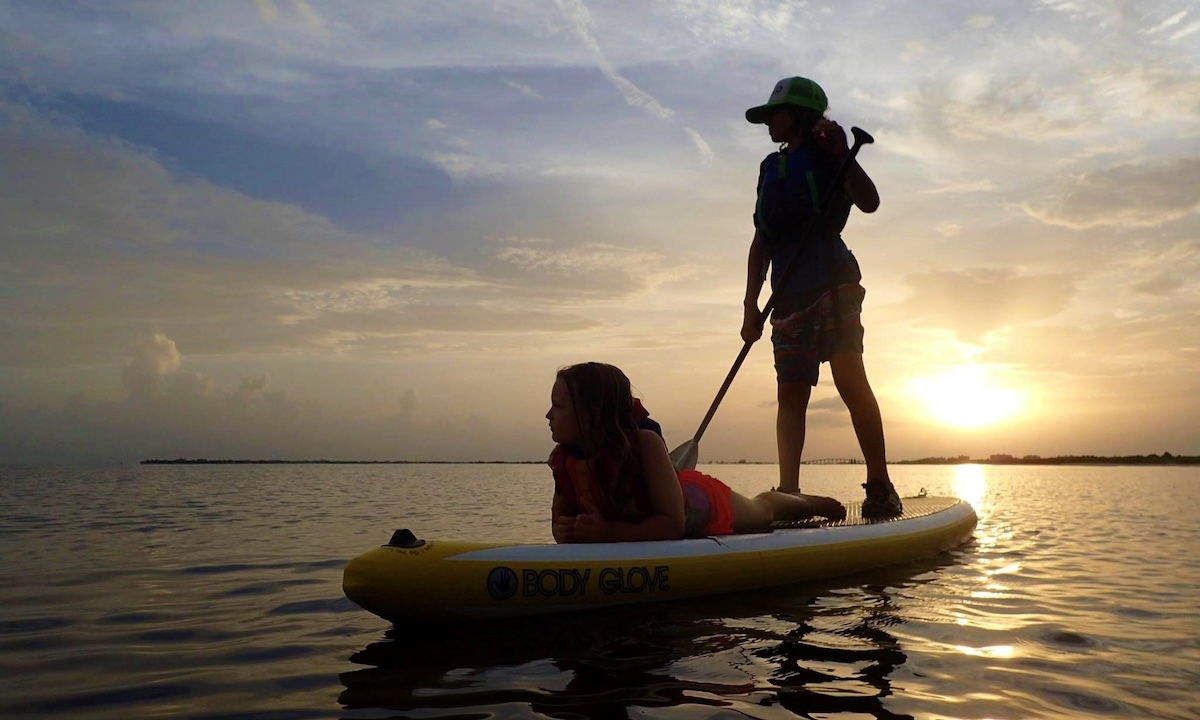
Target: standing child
613 479
817 315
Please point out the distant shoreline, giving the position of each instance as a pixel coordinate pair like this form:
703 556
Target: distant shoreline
1163 459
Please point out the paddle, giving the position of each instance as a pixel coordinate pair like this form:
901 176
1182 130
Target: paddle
684 457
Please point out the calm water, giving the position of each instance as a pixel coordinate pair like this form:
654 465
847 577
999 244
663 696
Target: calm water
215 592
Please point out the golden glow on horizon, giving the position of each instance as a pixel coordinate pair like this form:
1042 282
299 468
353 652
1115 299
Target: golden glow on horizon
967 397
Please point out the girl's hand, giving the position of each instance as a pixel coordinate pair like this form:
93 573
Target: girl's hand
752 324
590 525
831 137
563 529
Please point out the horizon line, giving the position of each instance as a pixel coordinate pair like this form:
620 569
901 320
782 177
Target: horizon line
1165 458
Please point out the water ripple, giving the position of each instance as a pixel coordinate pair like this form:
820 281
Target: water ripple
133 695
33 625
305 607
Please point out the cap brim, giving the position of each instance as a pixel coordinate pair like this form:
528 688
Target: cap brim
758 115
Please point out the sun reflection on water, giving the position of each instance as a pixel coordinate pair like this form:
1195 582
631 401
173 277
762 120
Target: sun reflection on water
994 651
970 484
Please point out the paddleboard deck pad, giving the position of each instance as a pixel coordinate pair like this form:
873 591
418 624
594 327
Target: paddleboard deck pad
428 580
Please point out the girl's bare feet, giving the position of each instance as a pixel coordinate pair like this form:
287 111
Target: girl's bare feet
826 507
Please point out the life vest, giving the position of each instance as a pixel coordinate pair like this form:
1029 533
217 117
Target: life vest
706 506
790 189
575 483
790 193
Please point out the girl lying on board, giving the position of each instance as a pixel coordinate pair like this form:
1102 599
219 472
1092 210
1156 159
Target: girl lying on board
613 478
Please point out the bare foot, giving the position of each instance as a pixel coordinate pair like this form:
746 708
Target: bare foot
826 507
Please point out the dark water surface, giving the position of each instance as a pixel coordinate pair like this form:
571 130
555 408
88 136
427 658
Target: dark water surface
215 592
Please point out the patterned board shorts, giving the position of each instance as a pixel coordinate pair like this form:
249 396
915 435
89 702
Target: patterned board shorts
807 330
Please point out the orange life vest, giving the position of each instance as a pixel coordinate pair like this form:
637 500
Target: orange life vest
575 483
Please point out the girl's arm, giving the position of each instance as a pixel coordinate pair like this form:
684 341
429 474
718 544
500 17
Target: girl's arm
752 326
562 520
859 186
861 189
666 522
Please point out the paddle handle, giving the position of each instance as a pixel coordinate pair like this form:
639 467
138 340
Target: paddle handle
861 137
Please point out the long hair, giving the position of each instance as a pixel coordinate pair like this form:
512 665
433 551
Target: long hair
603 400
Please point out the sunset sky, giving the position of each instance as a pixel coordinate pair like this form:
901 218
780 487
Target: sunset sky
374 230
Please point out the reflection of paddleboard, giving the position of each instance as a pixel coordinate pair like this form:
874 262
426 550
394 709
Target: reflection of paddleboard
430 580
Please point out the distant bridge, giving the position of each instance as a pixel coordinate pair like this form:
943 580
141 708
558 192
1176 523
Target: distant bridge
833 461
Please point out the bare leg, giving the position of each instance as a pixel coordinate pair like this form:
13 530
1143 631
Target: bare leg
757 513
850 377
789 432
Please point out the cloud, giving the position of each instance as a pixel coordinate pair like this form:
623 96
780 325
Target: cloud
580 22
914 50
524 89
1168 23
187 414
977 106
976 302
962 188
462 166
706 152
339 201
275 12
155 359
1163 284
1129 196
167 412
833 404
124 246
534 253
1115 350
1172 24
1068 90
590 271
1188 31
267 10
249 389
311 17
1150 93
949 229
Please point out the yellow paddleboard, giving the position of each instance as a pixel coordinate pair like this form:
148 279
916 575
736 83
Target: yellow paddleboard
412 579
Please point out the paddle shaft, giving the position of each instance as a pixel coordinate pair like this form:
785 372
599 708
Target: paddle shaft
861 137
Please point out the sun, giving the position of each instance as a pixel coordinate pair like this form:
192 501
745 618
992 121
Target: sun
967 397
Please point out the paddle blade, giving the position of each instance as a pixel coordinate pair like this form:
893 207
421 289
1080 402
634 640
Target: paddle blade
684 457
